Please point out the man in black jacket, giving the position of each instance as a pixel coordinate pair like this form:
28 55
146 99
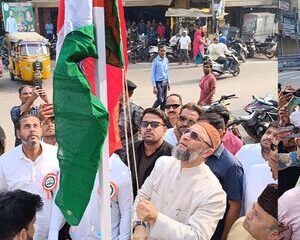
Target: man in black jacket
147 151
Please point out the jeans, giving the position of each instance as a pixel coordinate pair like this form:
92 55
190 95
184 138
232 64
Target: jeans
223 61
161 94
184 55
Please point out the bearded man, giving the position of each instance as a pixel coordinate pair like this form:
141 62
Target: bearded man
182 198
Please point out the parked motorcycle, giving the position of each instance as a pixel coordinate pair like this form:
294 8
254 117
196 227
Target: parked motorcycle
4 57
239 46
172 53
218 69
261 111
268 47
137 51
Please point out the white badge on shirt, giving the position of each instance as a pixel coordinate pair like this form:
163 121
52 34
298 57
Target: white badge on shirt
50 183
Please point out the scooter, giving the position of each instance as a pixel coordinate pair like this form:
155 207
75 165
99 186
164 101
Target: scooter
239 46
218 69
268 47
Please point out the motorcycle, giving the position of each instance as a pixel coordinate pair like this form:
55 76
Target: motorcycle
218 69
137 52
239 46
268 47
261 111
222 102
172 53
4 57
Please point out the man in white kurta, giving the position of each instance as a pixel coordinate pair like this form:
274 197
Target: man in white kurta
257 173
182 198
34 170
121 203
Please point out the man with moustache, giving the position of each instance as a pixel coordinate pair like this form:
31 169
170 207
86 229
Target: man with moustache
172 109
147 151
260 223
189 114
27 95
33 167
257 173
182 198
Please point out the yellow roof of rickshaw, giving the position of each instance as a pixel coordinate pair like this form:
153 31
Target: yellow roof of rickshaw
26 36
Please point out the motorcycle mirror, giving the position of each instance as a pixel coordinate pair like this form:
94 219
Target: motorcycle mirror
269 97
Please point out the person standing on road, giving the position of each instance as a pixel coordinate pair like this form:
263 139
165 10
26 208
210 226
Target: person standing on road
198 47
160 77
208 84
185 47
49 30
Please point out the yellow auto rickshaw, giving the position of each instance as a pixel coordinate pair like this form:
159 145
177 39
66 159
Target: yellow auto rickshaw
29 57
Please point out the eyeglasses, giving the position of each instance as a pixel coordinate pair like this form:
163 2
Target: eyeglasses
174 106
195 136
153 124
189 121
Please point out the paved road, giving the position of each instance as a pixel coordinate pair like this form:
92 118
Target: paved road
290 78
257 77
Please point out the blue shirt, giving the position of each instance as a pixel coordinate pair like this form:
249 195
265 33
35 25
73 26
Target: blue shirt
228 169
49 28
160 70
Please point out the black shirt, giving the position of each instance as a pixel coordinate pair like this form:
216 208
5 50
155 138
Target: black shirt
145 164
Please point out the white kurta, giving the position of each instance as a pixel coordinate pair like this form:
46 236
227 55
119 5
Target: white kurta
170 137
190 201
19 172
89 227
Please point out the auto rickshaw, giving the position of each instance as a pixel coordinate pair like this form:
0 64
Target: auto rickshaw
29 57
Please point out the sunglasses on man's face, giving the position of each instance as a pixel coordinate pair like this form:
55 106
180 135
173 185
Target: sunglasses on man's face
153 124
196 136
189 121
174 106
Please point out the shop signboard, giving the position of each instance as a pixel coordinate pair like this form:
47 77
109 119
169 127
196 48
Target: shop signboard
18 16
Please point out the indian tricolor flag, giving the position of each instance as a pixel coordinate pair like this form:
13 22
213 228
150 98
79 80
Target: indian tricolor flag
81 118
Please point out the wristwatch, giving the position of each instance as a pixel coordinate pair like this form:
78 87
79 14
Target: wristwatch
138 223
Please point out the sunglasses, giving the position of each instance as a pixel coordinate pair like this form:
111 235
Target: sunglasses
174 106
190 122
153 124
196 136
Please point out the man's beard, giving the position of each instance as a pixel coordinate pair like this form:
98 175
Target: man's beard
185 155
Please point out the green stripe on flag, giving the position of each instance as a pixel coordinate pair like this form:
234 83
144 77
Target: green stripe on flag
81 125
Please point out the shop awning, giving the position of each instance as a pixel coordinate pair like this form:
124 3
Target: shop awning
45 3
192 12
146 3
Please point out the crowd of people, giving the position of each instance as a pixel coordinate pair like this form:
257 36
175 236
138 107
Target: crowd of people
191 177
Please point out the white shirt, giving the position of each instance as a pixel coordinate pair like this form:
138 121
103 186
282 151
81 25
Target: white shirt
190 201
89 226
249 155
19 172
295 117
217 50
184 42
174 40
11 25
170 137
257 174
256 179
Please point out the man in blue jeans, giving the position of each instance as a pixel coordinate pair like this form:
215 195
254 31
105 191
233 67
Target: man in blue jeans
160 77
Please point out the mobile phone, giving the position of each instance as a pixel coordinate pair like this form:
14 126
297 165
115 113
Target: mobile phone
292 104
294 131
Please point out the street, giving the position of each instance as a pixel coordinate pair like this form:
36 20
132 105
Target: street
257 77
290 78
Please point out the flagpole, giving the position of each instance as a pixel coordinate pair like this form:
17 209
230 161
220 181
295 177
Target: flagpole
101 92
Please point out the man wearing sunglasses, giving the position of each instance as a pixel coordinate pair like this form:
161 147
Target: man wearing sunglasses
173 106
147 151
229 171
160 77
189 114
182 198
